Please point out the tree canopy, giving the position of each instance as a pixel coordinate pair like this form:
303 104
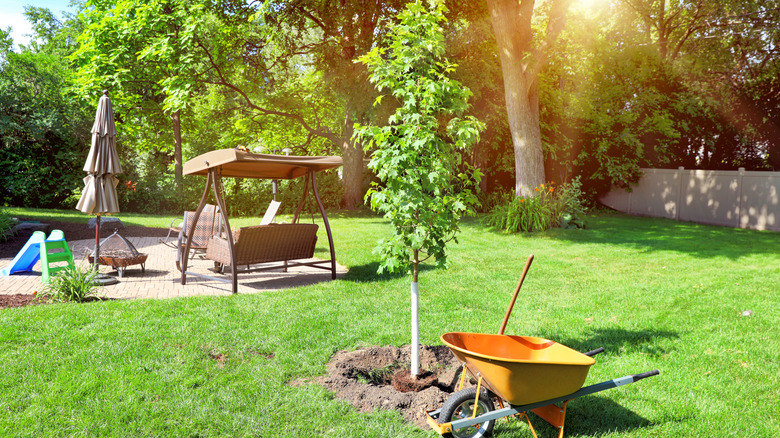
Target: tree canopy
624 84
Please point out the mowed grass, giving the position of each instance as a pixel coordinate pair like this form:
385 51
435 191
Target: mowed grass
656 294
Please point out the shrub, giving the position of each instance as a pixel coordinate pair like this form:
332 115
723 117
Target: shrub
490 200
72 284
6 225
553 206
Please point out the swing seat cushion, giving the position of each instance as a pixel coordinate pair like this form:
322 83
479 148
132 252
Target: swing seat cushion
265 243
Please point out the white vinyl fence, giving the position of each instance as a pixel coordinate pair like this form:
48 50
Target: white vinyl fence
739 199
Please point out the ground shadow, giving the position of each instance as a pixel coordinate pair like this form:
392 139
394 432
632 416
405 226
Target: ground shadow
591 415
274 281
368 273
617 339
659 234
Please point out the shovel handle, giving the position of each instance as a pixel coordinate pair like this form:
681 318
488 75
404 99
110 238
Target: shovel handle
514 297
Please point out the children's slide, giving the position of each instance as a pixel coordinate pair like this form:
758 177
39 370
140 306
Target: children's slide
27 257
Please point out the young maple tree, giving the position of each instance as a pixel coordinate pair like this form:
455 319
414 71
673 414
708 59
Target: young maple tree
426 187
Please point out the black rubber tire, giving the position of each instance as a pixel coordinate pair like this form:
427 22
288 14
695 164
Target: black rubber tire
461 405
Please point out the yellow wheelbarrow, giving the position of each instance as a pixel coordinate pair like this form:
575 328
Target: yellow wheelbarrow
521 373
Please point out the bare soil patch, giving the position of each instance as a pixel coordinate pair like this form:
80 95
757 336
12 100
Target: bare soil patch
364 378
16 300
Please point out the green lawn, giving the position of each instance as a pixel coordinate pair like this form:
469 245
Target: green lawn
655 293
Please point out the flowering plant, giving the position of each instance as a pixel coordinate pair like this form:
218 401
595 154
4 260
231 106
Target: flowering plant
552 206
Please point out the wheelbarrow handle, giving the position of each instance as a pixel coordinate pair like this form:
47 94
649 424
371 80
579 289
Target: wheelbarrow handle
594 352
645 375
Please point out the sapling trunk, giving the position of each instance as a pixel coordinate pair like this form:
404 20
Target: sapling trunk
427 194
415 368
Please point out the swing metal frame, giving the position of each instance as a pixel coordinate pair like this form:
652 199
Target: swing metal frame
237 163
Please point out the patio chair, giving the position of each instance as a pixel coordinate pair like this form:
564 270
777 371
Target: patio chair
209 224
173 232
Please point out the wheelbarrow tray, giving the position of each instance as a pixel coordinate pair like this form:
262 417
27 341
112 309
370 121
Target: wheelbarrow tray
520 369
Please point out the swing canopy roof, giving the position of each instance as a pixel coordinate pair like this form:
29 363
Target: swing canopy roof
241 164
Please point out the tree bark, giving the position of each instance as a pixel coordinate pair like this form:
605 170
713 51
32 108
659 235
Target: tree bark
520 65
177 156
352 172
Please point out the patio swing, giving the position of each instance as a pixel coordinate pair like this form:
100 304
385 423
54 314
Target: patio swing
291 244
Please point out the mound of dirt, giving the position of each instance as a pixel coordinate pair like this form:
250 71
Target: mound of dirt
364 379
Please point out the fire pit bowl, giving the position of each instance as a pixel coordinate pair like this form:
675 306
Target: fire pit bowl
119 253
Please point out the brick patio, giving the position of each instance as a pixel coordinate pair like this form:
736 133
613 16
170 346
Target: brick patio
161 279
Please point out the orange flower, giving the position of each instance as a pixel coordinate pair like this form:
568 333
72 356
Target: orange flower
536 189
522 200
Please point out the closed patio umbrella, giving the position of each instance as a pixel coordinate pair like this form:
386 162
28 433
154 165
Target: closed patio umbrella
99 194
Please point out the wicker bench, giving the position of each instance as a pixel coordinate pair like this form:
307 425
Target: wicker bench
265 243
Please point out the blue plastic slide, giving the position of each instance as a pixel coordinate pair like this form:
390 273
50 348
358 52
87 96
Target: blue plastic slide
27 257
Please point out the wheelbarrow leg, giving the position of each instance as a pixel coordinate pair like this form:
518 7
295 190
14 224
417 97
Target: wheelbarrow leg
527 420
553 414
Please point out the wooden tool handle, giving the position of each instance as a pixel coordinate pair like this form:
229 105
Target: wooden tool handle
514 297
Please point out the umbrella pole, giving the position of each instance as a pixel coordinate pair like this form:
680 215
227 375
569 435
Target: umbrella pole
100 279
97 244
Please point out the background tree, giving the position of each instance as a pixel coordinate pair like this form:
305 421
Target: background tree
522 58
145 54
44 130
471 45
658 84
333 35
426 186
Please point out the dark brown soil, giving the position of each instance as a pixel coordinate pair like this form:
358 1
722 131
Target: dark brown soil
404 381
363 378
17 300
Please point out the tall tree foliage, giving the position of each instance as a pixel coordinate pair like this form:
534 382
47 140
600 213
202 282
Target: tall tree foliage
470 43
146 54
336 34
259 58
644 83
44 131
426 186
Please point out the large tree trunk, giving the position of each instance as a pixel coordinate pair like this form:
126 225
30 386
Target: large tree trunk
512 27
522 109
520 64
352 175
177 156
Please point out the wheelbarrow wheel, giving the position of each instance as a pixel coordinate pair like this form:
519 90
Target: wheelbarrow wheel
460 405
